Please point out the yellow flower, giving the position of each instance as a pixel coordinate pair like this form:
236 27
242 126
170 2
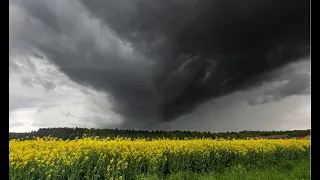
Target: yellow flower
121 153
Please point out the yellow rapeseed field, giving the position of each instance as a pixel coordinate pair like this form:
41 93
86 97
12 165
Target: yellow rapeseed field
50 158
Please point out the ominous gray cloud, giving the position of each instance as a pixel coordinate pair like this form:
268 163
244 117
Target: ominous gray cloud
251 109
158 60
67 105
293 79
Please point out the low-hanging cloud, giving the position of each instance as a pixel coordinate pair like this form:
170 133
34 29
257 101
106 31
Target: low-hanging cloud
158 60
256 108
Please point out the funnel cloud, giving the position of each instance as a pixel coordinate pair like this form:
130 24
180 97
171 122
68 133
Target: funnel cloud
160 60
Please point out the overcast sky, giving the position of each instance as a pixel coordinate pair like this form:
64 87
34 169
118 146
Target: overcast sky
256 108
72 64
41 96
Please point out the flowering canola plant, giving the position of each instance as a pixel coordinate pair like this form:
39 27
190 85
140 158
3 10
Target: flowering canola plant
102 158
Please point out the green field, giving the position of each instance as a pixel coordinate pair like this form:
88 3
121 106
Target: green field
284 170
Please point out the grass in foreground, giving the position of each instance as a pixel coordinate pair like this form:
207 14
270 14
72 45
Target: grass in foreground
285 170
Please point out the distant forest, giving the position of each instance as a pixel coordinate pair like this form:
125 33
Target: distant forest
72 133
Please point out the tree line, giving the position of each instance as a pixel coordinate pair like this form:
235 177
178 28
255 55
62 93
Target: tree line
72 133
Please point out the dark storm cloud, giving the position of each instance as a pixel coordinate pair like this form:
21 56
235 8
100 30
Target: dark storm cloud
293 79
160 59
